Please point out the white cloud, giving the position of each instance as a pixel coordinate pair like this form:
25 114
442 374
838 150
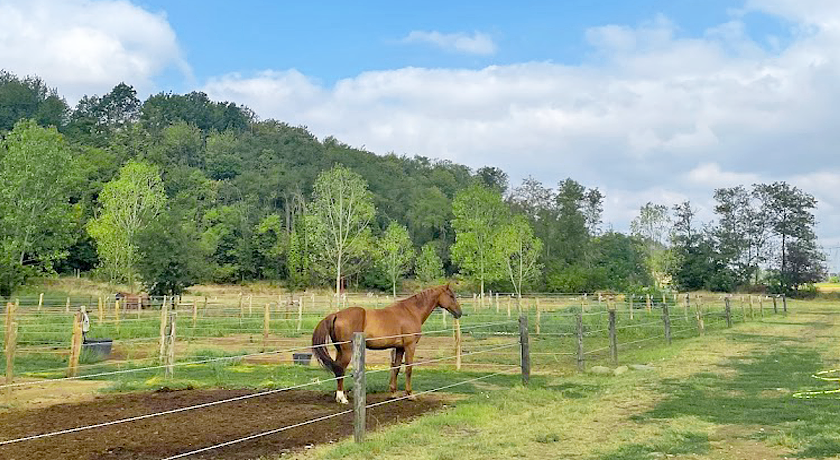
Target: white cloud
710 176
650 113
86 47
477 43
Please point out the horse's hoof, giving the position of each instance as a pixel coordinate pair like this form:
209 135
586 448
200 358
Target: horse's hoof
340 398
393 395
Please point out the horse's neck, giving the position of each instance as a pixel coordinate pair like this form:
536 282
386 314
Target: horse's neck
426 306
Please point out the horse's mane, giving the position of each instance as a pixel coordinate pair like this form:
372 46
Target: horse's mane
420 296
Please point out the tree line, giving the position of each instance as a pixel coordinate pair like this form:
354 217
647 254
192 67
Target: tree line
179 189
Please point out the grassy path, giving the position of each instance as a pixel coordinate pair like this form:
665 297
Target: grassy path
724 396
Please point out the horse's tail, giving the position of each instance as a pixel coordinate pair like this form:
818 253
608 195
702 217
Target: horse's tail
319 341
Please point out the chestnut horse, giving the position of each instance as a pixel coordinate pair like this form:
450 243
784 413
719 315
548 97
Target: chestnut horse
396 326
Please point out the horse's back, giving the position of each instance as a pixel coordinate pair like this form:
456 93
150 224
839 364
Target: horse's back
390 327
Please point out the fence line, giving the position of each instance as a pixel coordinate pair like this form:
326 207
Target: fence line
482 351
186 363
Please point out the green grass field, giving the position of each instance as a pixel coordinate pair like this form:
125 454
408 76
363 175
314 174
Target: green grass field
727 395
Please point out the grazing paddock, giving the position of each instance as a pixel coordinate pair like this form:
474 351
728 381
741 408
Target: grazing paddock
247 343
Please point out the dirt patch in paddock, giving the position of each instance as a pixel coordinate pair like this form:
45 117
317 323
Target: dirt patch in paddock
45 393
168 435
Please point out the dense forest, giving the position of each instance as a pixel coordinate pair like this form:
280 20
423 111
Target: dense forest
178 189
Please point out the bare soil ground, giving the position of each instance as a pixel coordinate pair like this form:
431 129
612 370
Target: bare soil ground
173 434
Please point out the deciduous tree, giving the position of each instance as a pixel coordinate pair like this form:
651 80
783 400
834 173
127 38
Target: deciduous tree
129 203
479 212
520 251
341 210
396 253
36 217
429 266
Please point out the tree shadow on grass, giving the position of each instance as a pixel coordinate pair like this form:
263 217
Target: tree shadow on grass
759 393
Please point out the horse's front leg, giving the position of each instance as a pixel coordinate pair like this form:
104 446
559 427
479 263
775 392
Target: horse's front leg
396 362
409 359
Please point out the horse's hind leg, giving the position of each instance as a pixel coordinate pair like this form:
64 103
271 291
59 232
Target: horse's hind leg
396 362
345 352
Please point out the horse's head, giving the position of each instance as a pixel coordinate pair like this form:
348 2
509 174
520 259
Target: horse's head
449 302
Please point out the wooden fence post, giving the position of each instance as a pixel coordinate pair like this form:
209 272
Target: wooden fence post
775 305
164 310
743 309
647 303
580 356
727 311
457 344
784 304
701 326
510 300
170 346
630 304
752 313
359 386
251 304
241 310
761 306
100 311
67 306
613 338
75 346
41 301
537 308
9 346
300 314
117 315
524 349
666 320
195 313
266 324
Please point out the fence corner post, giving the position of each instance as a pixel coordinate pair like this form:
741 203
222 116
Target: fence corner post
524 349
359 387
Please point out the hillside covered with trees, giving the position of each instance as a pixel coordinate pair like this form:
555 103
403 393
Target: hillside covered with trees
178 189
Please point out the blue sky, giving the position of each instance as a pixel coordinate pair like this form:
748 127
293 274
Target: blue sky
647 100
334 40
